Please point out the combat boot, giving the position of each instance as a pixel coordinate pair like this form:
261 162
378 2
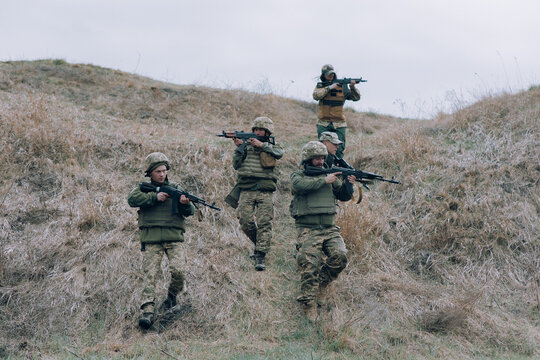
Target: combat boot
146 320
310 309
147 316
259 261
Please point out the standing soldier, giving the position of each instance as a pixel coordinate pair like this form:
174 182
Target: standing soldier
256 181
161 234
331 142
331 97
322 254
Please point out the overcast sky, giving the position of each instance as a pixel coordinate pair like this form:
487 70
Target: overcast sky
419 56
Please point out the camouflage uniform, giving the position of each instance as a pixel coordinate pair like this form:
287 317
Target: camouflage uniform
255 213
322 254
161 233
256 180
331 116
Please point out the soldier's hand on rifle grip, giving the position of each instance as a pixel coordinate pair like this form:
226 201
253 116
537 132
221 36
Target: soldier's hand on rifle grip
255 142
237 141
334 86
161 196
351 179
353 83
183 200
331 178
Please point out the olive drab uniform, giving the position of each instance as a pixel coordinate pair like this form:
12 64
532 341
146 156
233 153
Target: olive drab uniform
256 180
161 233
322 254
331 116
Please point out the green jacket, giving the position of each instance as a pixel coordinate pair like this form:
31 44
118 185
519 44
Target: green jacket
251 174
314 201
156 221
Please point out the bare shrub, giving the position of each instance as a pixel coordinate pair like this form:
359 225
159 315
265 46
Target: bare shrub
451 317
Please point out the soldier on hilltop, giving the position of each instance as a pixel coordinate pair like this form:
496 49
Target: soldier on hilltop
331 96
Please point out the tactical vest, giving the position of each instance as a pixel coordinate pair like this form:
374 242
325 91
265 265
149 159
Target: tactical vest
331 106
251 166
314 208
159 215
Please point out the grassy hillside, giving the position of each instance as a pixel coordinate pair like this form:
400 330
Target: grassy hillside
444 266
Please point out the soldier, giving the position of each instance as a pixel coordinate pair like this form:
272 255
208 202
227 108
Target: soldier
331 141
256 181
161 234
322 254
331 97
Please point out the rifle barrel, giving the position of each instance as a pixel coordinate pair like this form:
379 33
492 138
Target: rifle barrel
359 174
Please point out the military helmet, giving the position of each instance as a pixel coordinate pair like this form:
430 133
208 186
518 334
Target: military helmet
330 136
154 160
313 149
263 122
327 69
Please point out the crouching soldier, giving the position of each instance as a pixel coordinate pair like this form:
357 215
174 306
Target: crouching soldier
322 254
255 162
161 233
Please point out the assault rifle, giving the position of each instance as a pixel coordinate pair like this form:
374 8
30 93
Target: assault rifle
247 135
362 176
175 195
343 83
340 162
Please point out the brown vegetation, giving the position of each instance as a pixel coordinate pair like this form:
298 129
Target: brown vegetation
445 266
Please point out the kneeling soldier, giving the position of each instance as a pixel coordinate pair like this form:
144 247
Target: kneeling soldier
322 254
162 233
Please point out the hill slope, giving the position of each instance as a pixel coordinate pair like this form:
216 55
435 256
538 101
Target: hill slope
444 266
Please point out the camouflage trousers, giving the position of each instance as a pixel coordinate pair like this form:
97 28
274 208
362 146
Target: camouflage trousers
255 213
321 258
151 267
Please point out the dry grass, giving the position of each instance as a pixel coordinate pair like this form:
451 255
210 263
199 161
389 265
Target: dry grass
444 266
